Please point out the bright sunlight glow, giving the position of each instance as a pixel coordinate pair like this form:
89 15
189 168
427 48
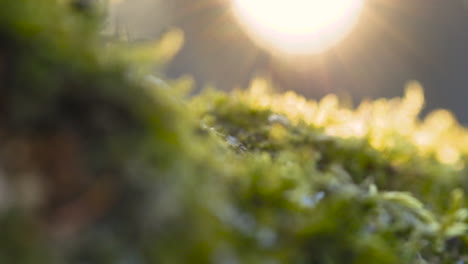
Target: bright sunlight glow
297 26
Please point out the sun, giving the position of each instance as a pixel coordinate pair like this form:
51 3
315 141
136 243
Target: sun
297 26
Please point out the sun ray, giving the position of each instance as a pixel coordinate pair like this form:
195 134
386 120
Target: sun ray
297 26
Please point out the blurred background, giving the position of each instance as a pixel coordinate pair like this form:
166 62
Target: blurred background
395 41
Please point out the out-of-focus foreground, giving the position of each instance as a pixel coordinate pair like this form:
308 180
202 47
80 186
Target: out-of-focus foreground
100 163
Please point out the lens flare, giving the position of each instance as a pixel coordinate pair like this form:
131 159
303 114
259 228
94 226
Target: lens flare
297 26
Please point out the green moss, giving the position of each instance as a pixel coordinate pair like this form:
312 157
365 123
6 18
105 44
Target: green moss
307 161
99 164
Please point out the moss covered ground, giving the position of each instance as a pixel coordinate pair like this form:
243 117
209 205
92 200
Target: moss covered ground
101 164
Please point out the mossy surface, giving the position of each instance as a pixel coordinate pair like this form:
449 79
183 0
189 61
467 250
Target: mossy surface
100 164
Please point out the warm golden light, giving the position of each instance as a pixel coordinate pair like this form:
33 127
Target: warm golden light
297 26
